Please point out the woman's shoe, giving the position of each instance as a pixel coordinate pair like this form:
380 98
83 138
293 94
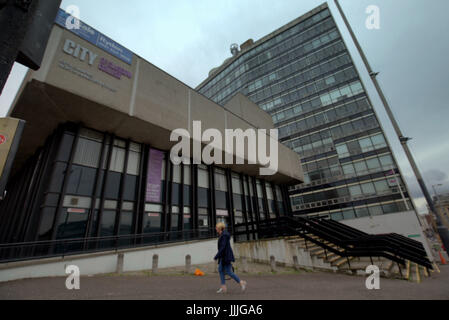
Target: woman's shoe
221 290
244 283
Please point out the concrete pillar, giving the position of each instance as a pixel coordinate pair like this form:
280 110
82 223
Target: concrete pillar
155 263
245 264
120 261
188 264
273 263
295 263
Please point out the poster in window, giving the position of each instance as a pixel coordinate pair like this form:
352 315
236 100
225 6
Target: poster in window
154 185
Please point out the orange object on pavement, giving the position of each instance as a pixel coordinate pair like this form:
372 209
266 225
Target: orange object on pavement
199 273
443 261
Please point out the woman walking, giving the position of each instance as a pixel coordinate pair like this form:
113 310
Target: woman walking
225 257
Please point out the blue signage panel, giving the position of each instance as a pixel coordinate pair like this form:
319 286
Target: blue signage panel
96 38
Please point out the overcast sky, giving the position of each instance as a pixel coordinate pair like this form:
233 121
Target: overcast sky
410 50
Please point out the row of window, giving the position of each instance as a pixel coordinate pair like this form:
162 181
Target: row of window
320 118
263 47
304 77
357 191
298 64
361 145
369 211
80 193
326 98
325 138
263 69
330 167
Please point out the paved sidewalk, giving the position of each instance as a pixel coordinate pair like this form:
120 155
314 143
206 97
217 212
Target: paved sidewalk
282 286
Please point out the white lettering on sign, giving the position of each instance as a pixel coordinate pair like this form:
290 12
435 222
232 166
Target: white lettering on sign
79 52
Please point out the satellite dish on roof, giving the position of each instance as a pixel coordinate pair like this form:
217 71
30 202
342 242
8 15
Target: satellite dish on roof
234 49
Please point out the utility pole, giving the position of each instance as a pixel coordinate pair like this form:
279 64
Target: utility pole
25 26
442 230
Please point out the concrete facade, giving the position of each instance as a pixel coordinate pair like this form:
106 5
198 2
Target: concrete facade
201 252
146 107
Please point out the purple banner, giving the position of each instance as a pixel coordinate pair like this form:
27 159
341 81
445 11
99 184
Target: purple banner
155 161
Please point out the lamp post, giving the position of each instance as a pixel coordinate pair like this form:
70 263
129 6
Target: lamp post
442 230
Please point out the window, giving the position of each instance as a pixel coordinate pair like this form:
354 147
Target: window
361 212
360 167
389 208
342 151
366 144
381 186
375 211
355 191
203 178
386 161
87 153
220 181
368 189
117 159
348 214
373 164
348 169
379 141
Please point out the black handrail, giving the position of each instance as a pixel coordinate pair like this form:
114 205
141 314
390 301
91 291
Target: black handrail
12 252
349 241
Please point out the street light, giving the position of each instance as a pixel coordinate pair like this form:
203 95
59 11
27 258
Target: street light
442 230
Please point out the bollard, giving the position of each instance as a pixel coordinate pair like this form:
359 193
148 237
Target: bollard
295 263
120 260
245 265
273 263
155 263
188 264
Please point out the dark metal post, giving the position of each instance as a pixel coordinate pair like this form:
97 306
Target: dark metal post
442 230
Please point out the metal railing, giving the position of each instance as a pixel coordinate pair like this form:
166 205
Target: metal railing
346 241
11 252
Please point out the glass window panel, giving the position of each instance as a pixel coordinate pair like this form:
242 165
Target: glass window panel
386 161
176 173
360 167
373 164
342 151
381 186
187 175
236 185
117 159
366 144
220 181
87 153
368 188
375 211
348 214
203 178
355 191
348 169
361 212
379 141
133 163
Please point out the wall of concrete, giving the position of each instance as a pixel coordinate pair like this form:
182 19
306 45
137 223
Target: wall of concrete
283 252
171 255
69 87
404 223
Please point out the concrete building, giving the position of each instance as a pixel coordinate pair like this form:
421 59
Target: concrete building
303 75
93 160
